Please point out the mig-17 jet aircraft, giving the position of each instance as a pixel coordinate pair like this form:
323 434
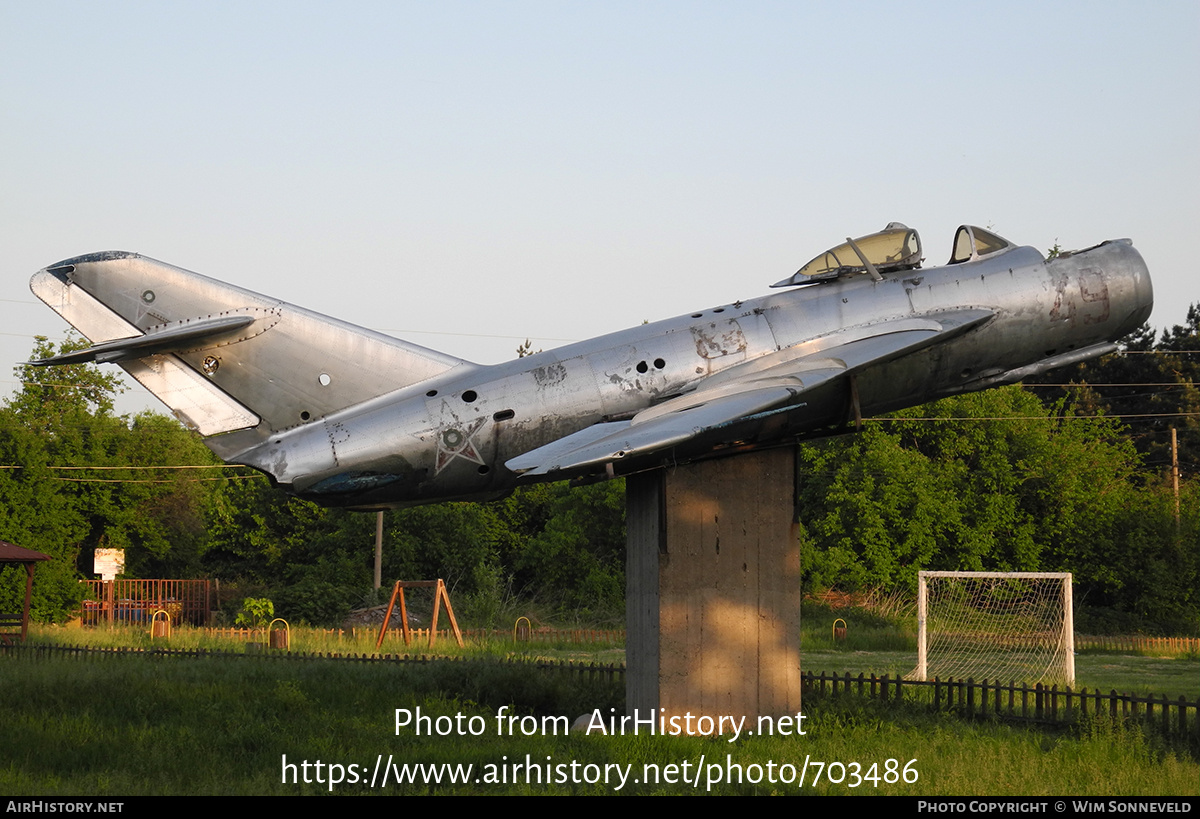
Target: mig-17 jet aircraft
346 416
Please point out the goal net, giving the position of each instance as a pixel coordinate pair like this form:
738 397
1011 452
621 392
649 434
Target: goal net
998 626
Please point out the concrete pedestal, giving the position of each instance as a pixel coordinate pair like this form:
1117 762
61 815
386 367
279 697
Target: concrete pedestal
713 588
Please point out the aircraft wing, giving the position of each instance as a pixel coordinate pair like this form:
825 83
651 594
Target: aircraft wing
772 383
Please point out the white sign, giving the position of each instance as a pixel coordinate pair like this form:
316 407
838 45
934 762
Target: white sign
108 563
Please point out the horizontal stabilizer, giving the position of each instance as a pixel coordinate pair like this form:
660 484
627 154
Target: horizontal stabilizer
178 337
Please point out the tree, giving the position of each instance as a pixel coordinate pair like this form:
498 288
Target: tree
1001 483
578 557
63 392
317 562
58 418
78 477
34 514
1150 384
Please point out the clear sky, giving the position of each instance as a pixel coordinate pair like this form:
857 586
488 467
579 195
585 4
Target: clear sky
465 175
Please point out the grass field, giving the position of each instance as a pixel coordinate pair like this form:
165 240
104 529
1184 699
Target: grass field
227 725
1124 673
134 725
875 644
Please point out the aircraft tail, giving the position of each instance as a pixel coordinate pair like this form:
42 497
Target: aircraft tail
222 358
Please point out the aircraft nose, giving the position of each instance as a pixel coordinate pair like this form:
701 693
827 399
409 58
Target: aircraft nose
1131 293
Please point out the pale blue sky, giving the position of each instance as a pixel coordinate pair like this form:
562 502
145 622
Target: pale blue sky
465 175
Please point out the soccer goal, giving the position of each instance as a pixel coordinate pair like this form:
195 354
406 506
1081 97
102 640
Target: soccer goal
998 626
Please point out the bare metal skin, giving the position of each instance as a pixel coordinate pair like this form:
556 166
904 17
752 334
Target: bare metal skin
346 416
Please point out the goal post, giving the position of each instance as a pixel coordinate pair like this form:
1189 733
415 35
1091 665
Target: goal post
999 626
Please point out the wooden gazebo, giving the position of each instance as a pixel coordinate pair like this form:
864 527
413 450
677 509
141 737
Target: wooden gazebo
10 621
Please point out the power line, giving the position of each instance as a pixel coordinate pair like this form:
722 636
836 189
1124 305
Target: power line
1054 418
385 330
148 480
202 466
1090 384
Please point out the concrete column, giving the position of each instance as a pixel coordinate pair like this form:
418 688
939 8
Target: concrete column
713 588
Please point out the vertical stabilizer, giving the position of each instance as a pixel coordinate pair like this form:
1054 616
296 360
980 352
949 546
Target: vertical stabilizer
221 357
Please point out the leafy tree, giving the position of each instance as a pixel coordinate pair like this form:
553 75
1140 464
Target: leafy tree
1151 384
1003 483
34 514
166 522
54 394
74 482
59 418
318 562
578 556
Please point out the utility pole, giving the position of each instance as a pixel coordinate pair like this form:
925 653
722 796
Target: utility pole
1175 472
379 550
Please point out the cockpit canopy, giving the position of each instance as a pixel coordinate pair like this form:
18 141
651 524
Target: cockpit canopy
896 247
972 242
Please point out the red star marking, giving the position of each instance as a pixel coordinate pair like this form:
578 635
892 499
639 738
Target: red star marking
454 441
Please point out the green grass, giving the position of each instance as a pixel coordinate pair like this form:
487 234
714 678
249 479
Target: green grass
130 725
313 640
879 645
871 647
1124 673
864 630
1137 674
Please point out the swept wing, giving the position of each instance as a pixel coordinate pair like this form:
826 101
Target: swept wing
744 393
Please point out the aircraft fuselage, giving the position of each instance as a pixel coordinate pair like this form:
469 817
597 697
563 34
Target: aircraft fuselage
451 435
347 416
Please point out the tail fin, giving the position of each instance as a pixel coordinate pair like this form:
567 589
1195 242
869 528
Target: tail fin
223 358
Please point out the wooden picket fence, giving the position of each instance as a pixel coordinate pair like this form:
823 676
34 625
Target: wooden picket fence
578 636
1148 645
610 672
1019 702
